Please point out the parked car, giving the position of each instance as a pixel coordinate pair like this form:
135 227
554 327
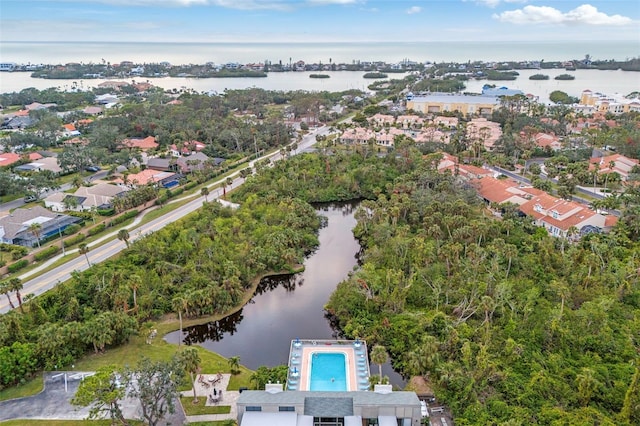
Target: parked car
30 198
92 168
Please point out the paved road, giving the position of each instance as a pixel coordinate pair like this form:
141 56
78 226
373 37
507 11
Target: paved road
53 403
50 279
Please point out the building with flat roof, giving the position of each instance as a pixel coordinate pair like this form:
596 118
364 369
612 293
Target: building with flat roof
436 103
328 385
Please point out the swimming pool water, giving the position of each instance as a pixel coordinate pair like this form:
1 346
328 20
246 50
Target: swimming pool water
328 372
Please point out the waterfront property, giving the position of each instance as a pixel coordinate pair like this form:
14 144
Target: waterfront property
328 365
328 385
274 406
435 103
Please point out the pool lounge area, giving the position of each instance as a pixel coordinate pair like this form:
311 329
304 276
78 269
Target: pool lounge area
328 365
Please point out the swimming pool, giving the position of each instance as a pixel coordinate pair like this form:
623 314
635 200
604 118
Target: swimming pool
328 372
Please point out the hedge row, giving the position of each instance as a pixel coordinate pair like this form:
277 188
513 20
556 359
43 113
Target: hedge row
128 215
18 265
44 254
96 229
75 239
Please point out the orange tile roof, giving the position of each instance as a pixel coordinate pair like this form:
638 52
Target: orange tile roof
550 203
70 127
147 143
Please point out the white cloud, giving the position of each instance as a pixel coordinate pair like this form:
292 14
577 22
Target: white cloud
231 4
585 14
413 10
334 1
494 3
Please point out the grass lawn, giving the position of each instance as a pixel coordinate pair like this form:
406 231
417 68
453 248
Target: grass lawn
29 388
192 409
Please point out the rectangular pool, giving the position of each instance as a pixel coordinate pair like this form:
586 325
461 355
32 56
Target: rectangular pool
328 372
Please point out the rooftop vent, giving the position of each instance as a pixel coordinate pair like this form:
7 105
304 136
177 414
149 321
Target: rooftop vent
383 388
273 388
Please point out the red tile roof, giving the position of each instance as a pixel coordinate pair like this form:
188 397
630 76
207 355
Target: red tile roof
141 143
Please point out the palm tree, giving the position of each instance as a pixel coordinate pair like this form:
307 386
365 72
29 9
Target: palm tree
379 356
234 364
36 229
5 288
190 360
179 304
83 248
123 235
15 284
205 193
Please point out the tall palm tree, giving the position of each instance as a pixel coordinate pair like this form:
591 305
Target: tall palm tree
205 193
83 248
234 364
190 360
123 235
379 356
5 288
36 230
179 304
15 284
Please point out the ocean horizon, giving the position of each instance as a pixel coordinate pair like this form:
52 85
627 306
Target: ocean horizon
177 53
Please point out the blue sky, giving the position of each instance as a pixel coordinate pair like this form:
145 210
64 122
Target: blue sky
318 20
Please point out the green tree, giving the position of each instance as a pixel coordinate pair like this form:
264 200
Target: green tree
205 193
36 229
123 235
104 392
15 284
631 406
5 288
234 364
83 249
379 356
190 360
157 387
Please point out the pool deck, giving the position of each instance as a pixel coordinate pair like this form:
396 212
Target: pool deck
357 363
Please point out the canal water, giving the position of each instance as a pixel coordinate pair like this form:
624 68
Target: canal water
286 307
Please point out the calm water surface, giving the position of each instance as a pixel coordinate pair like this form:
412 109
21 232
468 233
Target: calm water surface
287 307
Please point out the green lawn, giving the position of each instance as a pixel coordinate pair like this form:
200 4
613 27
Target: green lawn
192 409
31 387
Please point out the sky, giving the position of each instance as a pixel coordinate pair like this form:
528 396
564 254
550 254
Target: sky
318 20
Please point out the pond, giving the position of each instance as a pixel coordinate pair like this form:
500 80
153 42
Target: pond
288 306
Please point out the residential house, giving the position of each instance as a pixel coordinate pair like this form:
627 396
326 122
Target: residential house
387 136
99 196
559 216
150 177
484 131
357 136
430 135
547 141
47 163
14 227
142 144
614 163
409 121
112 84
382 120
69 130
446 122
187 148
501 191
92 110
9 158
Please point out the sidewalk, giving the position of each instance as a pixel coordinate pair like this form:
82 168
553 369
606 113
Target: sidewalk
229 398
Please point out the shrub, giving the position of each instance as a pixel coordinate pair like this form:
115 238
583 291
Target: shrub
75 239
126 216
46 253
96 229
107 212
72 229
18 252
18 265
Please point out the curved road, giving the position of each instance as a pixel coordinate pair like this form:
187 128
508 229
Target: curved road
50 279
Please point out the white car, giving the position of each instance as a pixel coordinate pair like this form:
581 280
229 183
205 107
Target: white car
423 409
